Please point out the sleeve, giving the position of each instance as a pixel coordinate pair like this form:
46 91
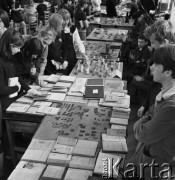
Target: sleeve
160 126
146 55
77 42
43 60
24 86
83 16
5 90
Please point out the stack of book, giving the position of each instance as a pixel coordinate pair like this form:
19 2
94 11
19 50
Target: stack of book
114 144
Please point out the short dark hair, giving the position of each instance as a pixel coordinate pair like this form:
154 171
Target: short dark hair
141 36
165 55
81 3
4 18
32 47
162 29
10 37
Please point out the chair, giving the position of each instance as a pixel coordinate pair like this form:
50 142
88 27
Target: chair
46 17
32 22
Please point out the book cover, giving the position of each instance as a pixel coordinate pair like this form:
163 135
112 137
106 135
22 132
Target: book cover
18 107
95 82
53 78
13 82
36 155
41 144
62 85
116 132
66 141
114 146
85 148
82 163
48 110
26 100
77 174
119 121
59 159
59 148
67 78
106 137
53 172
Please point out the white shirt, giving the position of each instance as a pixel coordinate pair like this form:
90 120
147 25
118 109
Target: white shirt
78 45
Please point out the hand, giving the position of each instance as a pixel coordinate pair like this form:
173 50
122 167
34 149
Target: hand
33 71
19 86
138 78
34 92
40 82
65 64
140 112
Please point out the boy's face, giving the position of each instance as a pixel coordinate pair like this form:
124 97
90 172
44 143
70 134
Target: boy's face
69 3
154 43
141 43
158 74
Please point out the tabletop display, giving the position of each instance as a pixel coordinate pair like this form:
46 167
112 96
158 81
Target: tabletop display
108 35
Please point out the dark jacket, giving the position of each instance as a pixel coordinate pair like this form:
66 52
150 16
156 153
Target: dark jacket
8 70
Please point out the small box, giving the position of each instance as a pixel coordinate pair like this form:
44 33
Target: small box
94 89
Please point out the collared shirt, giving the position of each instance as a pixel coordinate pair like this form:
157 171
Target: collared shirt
166 93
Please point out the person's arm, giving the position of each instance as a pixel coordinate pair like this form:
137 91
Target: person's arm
160 126
77 42
5 90
43 60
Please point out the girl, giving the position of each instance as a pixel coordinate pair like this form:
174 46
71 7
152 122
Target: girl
4 21
71 36
56 60
27 61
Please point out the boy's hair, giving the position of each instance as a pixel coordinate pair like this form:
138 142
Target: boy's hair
165 56
10 38
162 29
4 18
81 3
141 36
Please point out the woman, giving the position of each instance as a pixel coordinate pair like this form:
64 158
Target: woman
57 52
4 21
71 36
27 61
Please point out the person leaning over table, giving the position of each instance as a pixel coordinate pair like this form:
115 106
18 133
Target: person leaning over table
155 130
10 43
72 39
27 61
57 52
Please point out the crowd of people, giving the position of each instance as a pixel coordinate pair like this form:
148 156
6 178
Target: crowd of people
148 55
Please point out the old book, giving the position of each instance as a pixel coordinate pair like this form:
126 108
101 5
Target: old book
106 137
53 172
115 126
78 99
42 103
56 97
85 148
119 121
13 82
116 132
59 159
36 155
120 114
62 85
26 100
30 165
70 79
27 174
111 97
60 90
18 107
41 144
59 148
114 146
77 174
82 162
48 110
66 141
33 110
104 164
53 78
